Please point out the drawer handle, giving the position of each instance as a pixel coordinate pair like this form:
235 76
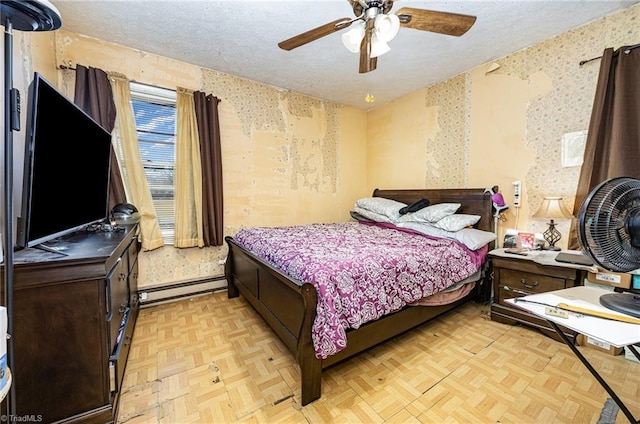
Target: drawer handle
509 289
122 276
529 286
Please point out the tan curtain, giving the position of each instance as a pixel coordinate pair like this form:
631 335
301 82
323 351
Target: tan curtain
613 139
134 178
188 174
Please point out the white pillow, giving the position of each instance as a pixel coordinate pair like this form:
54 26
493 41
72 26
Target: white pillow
359 217
457 222
426 228
381 206
373 216
473 238
432 213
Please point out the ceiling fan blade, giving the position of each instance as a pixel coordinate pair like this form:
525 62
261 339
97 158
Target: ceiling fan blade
434 21
367 63
314 34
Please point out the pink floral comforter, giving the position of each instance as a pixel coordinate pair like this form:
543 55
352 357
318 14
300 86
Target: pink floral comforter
361 272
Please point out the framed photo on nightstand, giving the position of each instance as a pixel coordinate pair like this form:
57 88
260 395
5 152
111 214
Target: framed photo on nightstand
523 240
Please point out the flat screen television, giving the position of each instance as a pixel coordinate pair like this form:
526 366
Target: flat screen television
66 168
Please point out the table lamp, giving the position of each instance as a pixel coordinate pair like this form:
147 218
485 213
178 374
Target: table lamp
552 208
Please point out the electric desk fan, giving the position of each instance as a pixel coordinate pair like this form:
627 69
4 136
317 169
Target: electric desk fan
609 233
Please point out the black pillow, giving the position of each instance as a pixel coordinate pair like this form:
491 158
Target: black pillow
415 206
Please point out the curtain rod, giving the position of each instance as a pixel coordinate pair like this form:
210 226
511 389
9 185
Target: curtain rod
626 51
70 67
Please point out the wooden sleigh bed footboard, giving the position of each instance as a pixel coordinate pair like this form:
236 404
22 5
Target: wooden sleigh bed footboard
288 306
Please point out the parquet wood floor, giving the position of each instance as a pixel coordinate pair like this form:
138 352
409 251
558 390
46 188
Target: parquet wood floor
213 360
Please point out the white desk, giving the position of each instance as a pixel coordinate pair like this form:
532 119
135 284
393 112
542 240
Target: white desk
615 333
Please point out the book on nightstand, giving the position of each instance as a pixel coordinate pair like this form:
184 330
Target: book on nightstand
517 251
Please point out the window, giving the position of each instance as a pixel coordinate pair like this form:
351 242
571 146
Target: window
154 111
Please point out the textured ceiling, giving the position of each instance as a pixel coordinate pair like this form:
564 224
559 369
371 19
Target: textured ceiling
240 37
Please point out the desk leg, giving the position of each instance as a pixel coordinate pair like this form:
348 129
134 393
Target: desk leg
633 350
597 376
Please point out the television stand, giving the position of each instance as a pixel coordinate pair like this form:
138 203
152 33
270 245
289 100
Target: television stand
74 321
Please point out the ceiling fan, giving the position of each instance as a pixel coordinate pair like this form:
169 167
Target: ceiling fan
375 27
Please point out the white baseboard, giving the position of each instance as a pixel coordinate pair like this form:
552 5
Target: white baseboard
171 293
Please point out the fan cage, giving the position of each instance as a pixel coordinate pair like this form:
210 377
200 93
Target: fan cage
604 232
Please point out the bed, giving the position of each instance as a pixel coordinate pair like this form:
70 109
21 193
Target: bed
290 305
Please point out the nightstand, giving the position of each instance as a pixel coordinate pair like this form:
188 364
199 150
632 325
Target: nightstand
537 272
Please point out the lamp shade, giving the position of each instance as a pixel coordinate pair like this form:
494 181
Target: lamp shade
552 207
387 26
352 38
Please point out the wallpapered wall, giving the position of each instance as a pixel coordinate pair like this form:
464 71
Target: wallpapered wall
291 159
500 122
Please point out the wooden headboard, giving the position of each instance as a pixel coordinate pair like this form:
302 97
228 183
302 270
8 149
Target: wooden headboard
474 201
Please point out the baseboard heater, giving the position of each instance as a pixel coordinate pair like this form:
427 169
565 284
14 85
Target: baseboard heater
169 293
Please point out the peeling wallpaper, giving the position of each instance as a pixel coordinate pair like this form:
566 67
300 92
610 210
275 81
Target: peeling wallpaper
447 151
502 121
565 106
260 107
256 105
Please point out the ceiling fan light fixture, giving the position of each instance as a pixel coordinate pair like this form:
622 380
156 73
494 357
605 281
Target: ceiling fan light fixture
378 47
352 38
376 26
387 27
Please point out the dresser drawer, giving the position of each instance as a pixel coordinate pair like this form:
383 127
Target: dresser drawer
516 277
117 295
516 284
118 360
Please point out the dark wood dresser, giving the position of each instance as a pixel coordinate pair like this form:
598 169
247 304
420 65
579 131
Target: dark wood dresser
73 320
516 276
